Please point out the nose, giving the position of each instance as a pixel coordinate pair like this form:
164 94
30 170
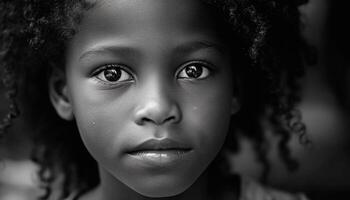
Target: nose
157 113
156 107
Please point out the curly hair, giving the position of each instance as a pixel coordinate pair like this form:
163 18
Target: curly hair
33 37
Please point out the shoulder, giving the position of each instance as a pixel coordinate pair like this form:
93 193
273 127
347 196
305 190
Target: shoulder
252 190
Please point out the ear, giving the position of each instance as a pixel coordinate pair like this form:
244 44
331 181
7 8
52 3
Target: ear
59 94
235 105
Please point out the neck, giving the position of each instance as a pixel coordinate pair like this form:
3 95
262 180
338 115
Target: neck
112 189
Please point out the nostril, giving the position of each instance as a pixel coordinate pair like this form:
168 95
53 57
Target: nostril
142 121
157 114
158 122
172 118
148 120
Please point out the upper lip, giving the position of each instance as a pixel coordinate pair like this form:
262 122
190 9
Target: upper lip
160 144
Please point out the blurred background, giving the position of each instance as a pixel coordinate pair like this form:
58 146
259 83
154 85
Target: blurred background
324 171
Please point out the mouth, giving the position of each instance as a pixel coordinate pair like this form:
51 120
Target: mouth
163 145
160 152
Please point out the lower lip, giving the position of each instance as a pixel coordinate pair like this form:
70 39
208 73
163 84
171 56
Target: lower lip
160 157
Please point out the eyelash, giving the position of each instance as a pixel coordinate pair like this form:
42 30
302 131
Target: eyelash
206 67
102 69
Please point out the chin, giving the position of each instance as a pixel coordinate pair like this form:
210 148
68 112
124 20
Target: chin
157 189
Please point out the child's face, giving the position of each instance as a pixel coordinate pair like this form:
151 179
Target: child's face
151 69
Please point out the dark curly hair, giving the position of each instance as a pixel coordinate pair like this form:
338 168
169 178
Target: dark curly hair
33 37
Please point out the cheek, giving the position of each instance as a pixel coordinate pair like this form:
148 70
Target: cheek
97 132
100 122
207 117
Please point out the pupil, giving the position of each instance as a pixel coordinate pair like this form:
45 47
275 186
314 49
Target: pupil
112 74
193 71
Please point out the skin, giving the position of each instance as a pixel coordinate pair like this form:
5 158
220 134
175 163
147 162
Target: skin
153 42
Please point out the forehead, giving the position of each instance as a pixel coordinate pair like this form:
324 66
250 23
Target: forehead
145 24
123 17
157 11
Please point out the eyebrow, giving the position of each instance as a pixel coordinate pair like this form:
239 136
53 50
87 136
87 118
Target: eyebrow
127 51
199 45
115 50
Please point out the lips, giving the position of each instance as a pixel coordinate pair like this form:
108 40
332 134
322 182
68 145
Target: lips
159 154
156 145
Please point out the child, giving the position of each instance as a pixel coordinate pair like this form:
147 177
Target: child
142 99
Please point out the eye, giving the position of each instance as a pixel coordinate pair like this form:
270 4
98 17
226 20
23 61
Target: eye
194 70
112 73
